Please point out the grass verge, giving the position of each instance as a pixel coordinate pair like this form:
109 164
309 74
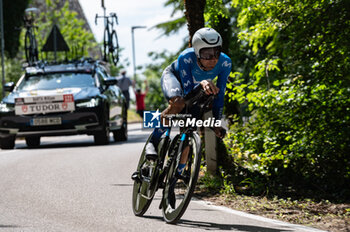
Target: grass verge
322 214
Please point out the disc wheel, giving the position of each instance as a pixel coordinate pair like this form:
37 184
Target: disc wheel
145 187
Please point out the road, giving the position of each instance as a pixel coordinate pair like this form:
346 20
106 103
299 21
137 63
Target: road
69 184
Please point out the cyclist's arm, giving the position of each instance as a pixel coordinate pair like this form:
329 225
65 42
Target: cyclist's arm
218 104
184 67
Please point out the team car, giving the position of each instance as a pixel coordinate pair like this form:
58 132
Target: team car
63 99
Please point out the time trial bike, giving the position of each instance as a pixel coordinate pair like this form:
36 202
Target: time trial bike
161 171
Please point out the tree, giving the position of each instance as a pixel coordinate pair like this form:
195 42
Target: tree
13 20
194 15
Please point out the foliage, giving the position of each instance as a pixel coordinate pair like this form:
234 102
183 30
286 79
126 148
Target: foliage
70 27
290 62
78 39
155 98
13 70
295 101
173 26
221 16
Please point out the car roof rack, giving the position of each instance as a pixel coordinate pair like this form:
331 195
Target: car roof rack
83 65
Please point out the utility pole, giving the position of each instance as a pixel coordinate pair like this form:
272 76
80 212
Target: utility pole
133 47
103 7
2 48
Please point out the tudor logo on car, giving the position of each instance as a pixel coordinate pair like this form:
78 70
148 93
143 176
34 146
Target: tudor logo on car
44 104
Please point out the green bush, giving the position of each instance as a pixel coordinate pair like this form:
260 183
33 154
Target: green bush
298 135
295 127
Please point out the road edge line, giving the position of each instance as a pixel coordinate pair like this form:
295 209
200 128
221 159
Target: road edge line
255 217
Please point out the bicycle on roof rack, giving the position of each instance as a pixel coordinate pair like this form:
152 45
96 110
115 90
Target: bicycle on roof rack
30 43
110 38
161 171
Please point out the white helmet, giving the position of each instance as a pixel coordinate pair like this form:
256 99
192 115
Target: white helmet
205 38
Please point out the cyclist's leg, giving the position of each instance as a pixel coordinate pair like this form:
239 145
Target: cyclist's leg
172 91
183 160
194 111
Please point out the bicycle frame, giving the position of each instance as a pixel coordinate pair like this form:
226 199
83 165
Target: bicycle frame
165 149
162 171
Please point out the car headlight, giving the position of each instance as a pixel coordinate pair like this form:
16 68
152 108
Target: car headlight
93 102
6 107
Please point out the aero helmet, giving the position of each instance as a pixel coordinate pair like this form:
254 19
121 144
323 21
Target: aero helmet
205 38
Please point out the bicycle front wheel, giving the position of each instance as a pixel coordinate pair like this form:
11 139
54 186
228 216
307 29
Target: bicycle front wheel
178 191
114 48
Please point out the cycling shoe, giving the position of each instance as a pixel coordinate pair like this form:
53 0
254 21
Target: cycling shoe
151 153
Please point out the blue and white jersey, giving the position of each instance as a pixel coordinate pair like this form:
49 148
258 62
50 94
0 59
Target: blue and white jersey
191 75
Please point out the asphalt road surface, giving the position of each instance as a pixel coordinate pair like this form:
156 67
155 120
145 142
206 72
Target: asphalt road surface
69 184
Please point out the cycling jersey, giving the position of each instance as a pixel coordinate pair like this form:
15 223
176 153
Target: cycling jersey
187 70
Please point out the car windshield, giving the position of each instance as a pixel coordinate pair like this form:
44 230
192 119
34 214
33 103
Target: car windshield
57 81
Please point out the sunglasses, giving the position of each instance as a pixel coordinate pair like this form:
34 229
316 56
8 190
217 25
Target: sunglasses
210 53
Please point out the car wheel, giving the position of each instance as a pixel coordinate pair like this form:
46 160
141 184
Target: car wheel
32 141
102 137
7 142
122 133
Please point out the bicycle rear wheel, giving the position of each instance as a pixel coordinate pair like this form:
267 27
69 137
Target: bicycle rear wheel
182 188
30 47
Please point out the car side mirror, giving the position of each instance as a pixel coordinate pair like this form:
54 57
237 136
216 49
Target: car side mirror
111 81
9 86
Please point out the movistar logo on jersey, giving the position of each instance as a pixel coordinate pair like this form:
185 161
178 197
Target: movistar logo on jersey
151 119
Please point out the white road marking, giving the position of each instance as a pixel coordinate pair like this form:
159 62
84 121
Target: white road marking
256 217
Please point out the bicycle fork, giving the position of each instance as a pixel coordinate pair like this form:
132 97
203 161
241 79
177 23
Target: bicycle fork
182 158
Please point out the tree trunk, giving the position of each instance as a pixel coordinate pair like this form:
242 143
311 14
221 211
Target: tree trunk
194 15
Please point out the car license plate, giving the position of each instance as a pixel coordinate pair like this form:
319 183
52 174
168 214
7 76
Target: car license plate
44 104
45 121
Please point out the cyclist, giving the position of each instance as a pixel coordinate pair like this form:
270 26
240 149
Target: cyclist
198 65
